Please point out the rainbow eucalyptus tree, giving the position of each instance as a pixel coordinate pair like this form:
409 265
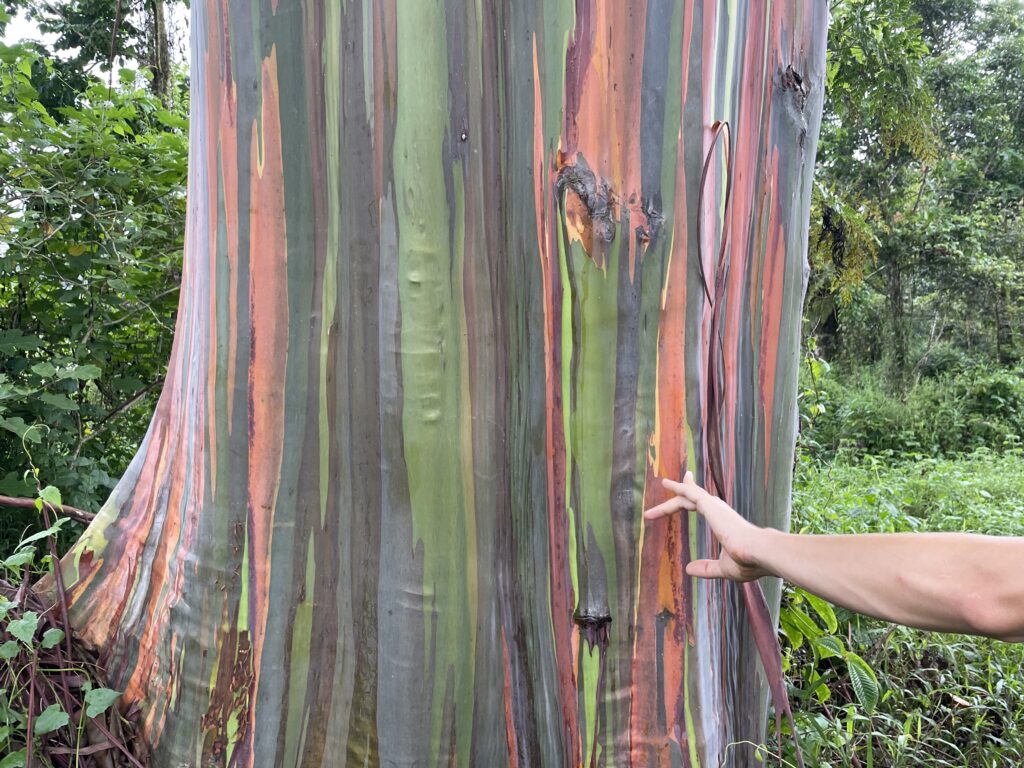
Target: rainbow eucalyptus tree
462 280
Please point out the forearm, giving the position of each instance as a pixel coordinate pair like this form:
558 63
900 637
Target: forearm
937 581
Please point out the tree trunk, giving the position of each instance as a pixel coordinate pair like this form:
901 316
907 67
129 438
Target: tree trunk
899 354
454 298
157 49
1005 347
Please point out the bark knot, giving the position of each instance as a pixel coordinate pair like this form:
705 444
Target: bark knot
593 192
596 628
593 206
797 87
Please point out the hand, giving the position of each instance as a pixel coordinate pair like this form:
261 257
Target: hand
740 540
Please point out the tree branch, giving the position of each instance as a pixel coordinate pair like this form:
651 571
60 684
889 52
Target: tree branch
73 512
106 421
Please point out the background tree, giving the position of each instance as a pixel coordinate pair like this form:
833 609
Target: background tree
94 34
919 211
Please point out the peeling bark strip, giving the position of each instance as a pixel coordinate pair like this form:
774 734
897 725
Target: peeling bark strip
456 294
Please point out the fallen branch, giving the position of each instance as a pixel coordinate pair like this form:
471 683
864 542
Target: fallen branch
23 503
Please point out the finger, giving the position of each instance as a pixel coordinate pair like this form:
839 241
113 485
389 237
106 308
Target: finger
687 488
672 485
669 507
705 569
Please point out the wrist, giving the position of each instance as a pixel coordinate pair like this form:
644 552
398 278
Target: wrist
767 544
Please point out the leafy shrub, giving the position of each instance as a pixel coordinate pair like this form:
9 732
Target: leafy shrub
943 360
975 409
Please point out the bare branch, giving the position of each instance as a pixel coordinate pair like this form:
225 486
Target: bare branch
107 420
73 512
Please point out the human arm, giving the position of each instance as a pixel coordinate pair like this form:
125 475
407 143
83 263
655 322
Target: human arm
949 582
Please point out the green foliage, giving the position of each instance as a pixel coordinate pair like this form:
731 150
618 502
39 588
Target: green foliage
877 96
917 237
940 700
877 111
38 679
950 414
815 632
91 226
870 693
979 492
85 29
89 34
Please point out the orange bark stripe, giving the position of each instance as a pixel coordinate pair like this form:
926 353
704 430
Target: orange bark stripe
268 307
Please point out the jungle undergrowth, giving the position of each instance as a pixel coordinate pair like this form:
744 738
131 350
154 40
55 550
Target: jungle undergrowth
55 711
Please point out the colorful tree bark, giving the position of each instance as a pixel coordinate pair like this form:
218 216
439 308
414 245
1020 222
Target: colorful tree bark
455 296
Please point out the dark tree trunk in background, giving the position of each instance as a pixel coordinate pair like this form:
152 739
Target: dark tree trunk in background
899 353
158 48
1006 352
454 298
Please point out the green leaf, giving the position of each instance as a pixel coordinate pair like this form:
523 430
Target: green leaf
51 531
13 340
44 369
61 402
7 714
25 628
171 120
50 719
81 372
51 495
29 433
5 607
824 611
52 637
804 623
794 635
99 700
13 485
863 680
20 559
14 760
9 649
829 646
